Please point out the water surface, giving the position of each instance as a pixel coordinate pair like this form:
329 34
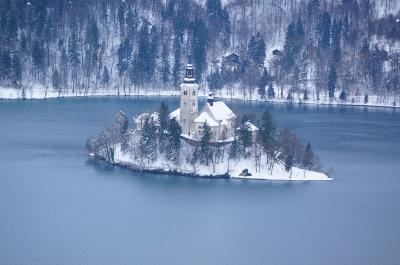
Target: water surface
58 207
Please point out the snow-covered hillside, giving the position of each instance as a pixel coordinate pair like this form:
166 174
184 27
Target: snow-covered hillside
344 49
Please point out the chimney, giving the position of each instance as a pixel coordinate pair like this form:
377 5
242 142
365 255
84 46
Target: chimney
210 99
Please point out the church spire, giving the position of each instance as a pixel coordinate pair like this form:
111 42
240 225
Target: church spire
189 73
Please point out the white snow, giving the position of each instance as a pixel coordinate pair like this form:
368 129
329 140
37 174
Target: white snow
204 117
220 111
251 127
176 114
231 169
40 93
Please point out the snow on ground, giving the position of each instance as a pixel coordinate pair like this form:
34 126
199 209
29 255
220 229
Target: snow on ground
40 93
231 169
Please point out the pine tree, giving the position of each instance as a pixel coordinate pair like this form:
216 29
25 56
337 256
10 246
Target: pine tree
256 49
214 81
324 31
332 78
124 54
165 68
199 46
305 97
308 159
205 144
271 91
148 140
164 122
106 77
174 141
38 55
366 99
262 84
342 96
289 162
335 44
267 131
176 70
16 70
56 82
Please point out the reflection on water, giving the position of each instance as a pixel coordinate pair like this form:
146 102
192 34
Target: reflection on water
57 206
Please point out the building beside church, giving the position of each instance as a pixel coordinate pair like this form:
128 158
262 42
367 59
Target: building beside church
216 114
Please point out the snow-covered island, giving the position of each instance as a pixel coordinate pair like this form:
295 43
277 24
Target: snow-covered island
212 142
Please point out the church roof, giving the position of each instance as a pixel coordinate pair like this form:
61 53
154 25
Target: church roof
175 114
220 111
204 117
250 127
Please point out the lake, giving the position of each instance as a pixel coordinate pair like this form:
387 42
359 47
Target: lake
59 207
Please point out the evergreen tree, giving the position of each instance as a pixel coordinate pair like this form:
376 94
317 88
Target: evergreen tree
305 97
148 140
342 96
332 78
366 99
205 144
289 162
176 70
131 23
73 50
153 53
38 55
308 159
16 70
56 82
214 81
106 76
271 91
199 46
335 44
324 31
262 84
256 49
174 140
164 123
267 131
124 54
165 68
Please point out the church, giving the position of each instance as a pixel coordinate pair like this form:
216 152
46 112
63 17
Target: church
216 114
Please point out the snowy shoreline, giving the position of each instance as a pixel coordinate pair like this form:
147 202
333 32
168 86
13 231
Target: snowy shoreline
37 94
278 173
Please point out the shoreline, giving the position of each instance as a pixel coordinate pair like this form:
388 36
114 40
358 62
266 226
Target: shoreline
14 94
296 175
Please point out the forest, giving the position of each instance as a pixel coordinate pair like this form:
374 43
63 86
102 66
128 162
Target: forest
342 51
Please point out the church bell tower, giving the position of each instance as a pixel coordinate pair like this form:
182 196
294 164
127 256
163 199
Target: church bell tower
189 101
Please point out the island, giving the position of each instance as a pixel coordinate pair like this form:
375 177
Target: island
213 142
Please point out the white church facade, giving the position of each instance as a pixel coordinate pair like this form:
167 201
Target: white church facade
218 116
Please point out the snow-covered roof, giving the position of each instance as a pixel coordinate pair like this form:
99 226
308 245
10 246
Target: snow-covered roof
204 117
175 114
250 127
220 111
223 122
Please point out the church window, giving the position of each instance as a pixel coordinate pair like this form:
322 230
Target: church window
185 92
194 93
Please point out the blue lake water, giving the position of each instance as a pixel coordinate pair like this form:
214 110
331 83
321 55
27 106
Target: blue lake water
59 207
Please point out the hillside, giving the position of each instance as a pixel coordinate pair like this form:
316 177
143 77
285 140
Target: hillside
295 50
